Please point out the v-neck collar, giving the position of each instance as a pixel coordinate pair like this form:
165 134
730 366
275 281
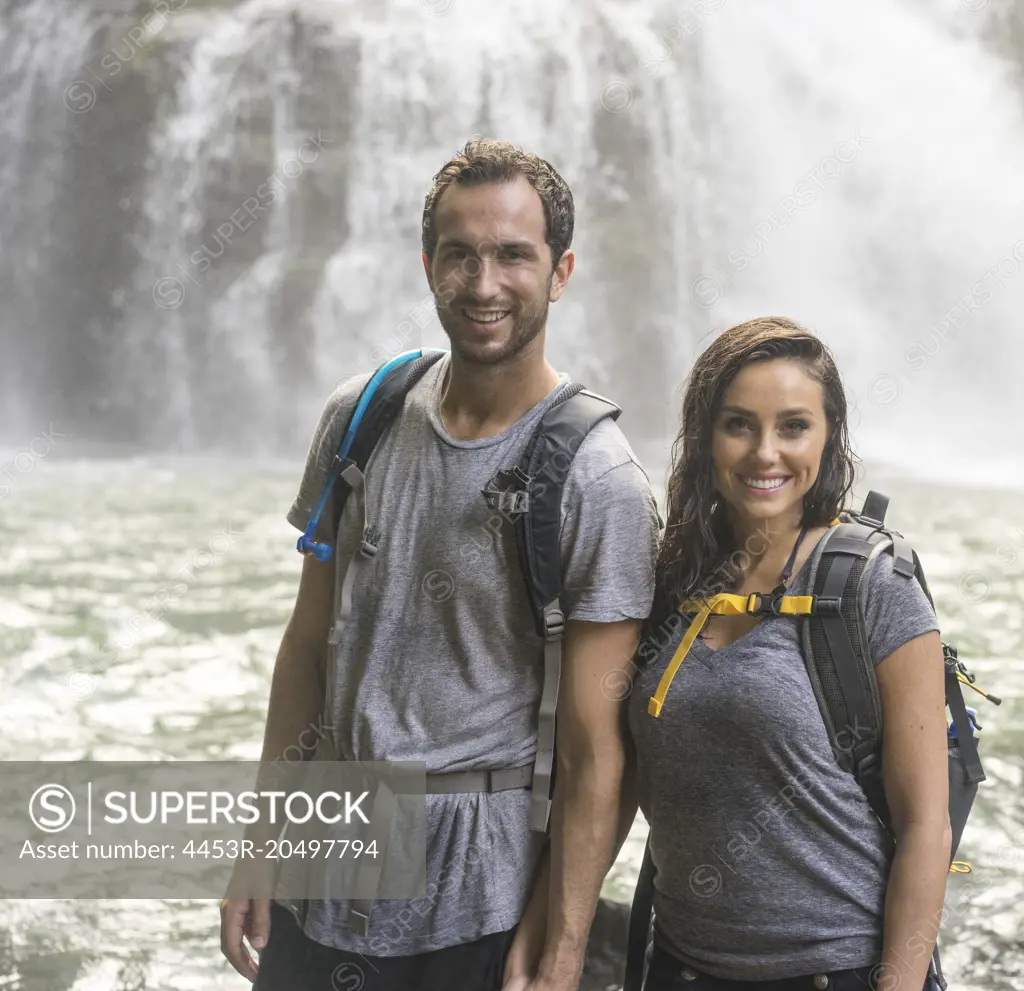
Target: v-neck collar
707 652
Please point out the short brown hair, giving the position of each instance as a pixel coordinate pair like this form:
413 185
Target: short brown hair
484 160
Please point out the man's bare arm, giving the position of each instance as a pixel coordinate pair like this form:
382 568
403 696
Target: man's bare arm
298 686
585 818
297 692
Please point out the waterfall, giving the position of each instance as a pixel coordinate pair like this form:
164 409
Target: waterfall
211 209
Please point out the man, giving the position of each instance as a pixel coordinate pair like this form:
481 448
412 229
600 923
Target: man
439 662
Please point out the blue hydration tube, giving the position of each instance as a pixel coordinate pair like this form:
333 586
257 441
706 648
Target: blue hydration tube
307 543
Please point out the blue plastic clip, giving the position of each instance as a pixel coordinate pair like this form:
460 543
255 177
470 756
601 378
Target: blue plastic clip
972 718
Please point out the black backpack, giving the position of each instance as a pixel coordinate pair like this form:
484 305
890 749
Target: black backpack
528 494
842 675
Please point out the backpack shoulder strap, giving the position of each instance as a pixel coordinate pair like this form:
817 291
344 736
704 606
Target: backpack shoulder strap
546 462
836 651
543 470
639 932
379 403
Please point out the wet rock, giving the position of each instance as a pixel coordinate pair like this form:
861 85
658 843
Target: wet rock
605 962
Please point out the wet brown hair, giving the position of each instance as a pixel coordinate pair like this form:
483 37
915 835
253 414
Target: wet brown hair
486 160
697 544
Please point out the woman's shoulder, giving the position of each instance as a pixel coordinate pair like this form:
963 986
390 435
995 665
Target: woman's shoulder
895 606
883 578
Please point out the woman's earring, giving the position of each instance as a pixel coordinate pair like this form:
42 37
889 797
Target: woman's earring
714 507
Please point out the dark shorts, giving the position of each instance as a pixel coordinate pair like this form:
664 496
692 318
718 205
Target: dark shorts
666 973
294 962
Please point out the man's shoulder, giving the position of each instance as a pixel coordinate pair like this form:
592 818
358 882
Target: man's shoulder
606 451
338 408
346 393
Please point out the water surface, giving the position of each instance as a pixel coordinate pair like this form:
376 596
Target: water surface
141 607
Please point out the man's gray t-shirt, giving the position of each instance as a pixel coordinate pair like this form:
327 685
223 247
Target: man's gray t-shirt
441 662
769 861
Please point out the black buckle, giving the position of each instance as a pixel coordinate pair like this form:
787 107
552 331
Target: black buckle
954 664
870 522
827 605
508 492
869 764
512 503
767 605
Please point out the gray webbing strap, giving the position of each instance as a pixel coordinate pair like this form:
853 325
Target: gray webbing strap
368 877
543 767
964 732
874 509
903 555
384 805
847 665
463 782
360 557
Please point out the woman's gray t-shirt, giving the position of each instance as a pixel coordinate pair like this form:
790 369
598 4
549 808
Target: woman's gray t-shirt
769 861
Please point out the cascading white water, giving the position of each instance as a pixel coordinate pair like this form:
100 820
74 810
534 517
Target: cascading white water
850 165
373 102
910 260
37 42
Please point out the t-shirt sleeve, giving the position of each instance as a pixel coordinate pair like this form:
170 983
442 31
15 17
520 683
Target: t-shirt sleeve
895 610
322 449
609 546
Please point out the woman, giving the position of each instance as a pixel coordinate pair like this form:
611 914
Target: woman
772 872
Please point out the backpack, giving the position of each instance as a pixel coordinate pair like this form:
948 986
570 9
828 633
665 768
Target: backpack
528 494
842 675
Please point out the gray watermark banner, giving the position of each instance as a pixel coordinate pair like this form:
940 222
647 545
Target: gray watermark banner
320 829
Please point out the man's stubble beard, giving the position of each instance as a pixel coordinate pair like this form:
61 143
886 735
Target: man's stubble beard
527 325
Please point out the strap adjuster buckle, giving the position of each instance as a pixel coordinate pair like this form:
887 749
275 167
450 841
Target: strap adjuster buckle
759 604
827 605
554 624
371 538
869 521
508 492
953 663
540 813
514 503
869 764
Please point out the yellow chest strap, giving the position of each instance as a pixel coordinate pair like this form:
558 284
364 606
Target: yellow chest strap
724 604
727 604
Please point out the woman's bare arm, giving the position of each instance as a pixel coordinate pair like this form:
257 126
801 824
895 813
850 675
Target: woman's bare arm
916 777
